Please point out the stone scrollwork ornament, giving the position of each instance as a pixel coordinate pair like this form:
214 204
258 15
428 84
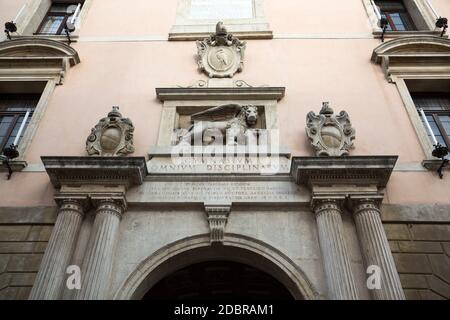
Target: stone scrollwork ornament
330 134
221 55
112 136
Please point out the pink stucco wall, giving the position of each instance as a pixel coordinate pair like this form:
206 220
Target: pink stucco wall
335 67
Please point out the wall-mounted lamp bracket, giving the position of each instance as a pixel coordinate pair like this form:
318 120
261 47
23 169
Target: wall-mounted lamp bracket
10 27
9 154
383 25
441 152
442 23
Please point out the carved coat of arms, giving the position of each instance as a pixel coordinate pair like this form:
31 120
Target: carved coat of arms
221 55
112 136
330 134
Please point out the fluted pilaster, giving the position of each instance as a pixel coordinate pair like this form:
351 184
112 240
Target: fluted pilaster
339 276
51 277
97 263
376 250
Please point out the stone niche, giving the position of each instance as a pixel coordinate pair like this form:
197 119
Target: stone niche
219 126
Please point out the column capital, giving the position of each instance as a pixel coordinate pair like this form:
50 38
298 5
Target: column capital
358 204
79 204
114 205
320 204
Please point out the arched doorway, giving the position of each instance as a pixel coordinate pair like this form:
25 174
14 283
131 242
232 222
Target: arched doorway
239 249
218 280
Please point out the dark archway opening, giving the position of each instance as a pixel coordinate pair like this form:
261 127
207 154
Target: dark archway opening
218 280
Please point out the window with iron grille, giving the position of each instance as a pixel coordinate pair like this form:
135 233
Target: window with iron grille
15 110
55 20
436 107
397 15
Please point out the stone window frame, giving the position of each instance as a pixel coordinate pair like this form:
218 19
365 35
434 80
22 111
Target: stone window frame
24 70
31 15
197 29
415 58
420 12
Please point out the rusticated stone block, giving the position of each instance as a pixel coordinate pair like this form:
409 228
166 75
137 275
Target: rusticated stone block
396 231
40 233
446 246
412 294
4 280
440 264
22 279
24 263
430 232
14 233
9 293
22 293
394 246
430 295
419 247
412 263
40 247
440 287
410 281
17 247
4 259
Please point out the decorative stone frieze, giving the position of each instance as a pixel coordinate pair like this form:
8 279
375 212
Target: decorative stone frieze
112 136
330 134
221 55
217 218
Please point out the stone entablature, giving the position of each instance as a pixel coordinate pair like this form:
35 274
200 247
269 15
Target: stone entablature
102 171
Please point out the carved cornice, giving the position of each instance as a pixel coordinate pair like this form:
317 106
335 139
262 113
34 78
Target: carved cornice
414 55
44 58
123 171
243 93
358 171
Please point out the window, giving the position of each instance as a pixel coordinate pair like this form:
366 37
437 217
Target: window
436 106
14 111
57 16
404 17
396 14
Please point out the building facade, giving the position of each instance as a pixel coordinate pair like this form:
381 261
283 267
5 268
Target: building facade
212 149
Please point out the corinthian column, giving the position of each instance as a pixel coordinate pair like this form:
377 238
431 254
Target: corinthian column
339 276
98 259
376 250
49 282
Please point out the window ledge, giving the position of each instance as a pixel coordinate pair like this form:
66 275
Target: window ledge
60 38
399 34
15 166
433 165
